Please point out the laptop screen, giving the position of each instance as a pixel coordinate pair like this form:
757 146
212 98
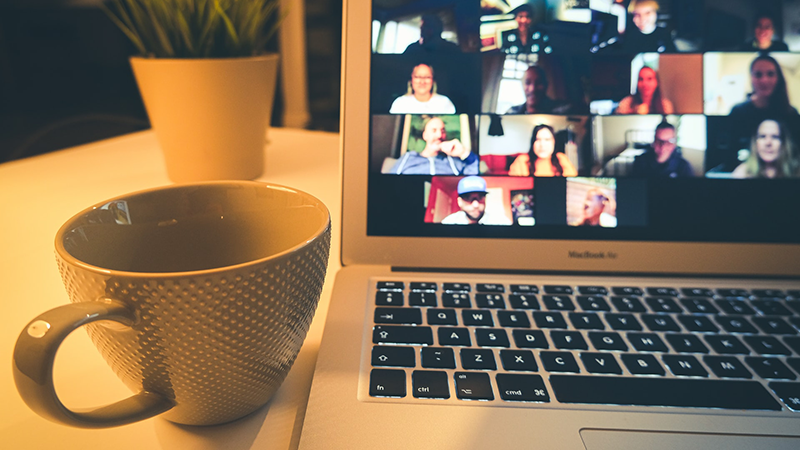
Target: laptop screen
668 120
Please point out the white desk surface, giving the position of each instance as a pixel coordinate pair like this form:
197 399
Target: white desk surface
38 194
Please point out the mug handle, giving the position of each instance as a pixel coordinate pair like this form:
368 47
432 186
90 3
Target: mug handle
34 355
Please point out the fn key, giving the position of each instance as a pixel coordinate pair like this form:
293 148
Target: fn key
387 383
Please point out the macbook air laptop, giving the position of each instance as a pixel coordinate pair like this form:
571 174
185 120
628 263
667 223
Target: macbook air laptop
566 224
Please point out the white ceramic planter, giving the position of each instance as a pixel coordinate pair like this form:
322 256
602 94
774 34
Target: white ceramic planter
210 115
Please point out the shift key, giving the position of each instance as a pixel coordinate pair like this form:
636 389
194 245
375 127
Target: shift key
388 334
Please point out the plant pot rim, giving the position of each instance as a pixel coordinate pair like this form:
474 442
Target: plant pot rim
155 60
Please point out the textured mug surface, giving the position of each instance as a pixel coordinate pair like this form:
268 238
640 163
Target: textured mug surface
223 279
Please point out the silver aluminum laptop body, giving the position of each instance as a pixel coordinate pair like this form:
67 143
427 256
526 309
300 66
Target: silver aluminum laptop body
341 414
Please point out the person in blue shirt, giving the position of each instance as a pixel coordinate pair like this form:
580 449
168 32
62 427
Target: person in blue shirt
439 157
663 158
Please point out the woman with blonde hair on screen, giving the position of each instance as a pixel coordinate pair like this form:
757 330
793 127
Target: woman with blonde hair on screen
770 154
647 99
542 160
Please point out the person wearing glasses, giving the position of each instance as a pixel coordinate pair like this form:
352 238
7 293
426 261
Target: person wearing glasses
421 97
663 158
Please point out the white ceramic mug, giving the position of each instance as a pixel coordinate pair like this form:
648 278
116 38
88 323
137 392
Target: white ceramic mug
198 296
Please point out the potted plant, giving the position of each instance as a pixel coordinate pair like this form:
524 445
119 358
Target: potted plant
206 82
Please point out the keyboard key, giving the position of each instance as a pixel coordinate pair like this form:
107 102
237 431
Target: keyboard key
593 303
495 288
391 285
789 393
697 292
686 343
794 305
660 322
422 299
494 301
458 337
409 316
628 304
794 343
733 293
627 291
774 325
727 345
662 292
558 303
549 320
601 363
647 342
771 308
677 392
518 361
559 362
438 358
477 318
794 363
442 317
592 290
388 356
766 345
430 384
513 319
456 287
735 307
568 340
769 293
586 321
623 322
423 286
491 337
736 324
387 383
524 289
642 364
563 290
727 367
771 368
699 324
477 359
663 305
390 334
699 306
529 339
684 366
390 298
473 386
607 341
522 388
523 301
456 300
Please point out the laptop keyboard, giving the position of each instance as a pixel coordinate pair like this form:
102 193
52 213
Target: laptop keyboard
734 349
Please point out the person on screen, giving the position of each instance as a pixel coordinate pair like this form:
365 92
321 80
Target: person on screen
472 202
770 154
764 37
594 210
421 97
770 97
439 157
647 99
523 38
542 157
663 158
646 36
430 38
534 85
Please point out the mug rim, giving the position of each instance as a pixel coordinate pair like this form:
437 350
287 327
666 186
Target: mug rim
69 258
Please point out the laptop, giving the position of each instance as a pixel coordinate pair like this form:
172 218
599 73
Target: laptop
565 224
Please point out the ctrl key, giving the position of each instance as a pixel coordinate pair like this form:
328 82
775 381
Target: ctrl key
789 393
387 383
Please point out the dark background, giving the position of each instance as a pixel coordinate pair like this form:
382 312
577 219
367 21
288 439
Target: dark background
65 79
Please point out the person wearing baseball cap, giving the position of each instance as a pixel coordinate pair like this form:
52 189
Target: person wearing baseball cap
472 202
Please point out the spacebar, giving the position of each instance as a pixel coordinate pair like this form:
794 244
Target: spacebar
692 393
